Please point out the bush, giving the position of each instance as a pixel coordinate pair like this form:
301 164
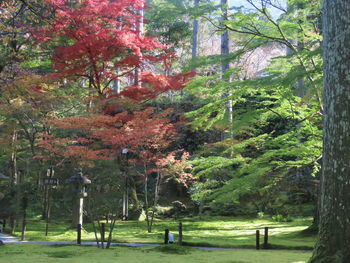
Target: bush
178 209
282 218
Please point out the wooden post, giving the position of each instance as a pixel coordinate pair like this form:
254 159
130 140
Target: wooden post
257 239
102 234
47 212
46 228
180 234
266 238
79 234
24 227
24 222
166 236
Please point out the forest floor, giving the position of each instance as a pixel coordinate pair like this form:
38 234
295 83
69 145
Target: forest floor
225 232
28 253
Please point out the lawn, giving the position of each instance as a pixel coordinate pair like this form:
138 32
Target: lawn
27 253
221 232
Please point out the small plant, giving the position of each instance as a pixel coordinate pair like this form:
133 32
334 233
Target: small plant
261 215
281 218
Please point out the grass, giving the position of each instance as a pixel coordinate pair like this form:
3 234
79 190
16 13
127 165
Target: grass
79 254
221 232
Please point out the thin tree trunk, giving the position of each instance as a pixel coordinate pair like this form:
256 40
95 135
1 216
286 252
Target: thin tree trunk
95 232
333 244
101 234
224 37
195 34
110 234
139 29
116 82
14 170
136 209
225 50
14 180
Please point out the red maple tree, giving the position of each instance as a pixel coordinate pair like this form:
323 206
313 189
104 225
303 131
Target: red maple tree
104 136
100 40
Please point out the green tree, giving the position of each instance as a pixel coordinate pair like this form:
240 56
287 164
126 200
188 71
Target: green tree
274 130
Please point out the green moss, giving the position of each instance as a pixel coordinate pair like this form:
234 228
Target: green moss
85 254
211 232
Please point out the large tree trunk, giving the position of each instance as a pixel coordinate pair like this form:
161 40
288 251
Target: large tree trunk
333 244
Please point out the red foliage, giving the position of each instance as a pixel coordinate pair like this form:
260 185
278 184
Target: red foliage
141 132
94 37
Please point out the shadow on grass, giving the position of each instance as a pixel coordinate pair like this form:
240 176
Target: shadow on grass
173 249
63 254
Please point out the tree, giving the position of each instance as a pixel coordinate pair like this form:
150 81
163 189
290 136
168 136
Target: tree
334 234
26 100
195 34
92 38
89 41
258 164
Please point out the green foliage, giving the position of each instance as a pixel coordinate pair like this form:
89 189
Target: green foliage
276 126
281 218
168 20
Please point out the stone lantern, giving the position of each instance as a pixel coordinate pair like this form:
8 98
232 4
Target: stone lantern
79 182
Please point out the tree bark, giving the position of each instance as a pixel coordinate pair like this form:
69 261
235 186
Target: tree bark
225 50
224 37
195 34
139 29
333 243
15 180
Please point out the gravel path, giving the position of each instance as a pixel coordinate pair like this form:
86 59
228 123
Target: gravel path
8 239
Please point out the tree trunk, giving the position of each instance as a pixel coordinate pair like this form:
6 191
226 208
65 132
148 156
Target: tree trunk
225 50
136 210
224 37
139 29
195 34
15 181
334 235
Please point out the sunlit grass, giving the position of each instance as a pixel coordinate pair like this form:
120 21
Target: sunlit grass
222 232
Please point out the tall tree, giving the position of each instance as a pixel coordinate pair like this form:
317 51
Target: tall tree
267 113
195 34
334 234
225 50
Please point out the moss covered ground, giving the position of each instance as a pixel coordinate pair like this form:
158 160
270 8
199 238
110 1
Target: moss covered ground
27 253
220 232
